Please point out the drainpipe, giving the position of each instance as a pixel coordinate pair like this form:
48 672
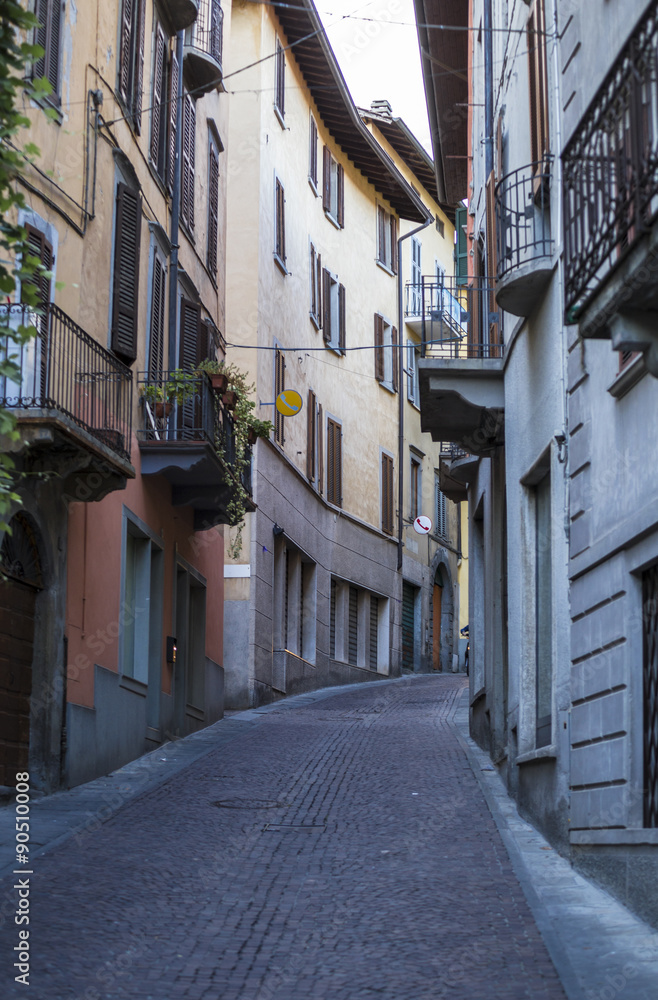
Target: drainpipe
488 91
426 223
175 213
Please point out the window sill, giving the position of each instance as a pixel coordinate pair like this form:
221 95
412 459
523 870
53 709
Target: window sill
385 267
280 116
281 264
53 107
335 349
628 377
314 320
332 220
543 753
412 402
314 187
389 387
130 684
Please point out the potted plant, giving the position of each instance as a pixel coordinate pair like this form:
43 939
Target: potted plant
155 395
258 429
216 372
230 399
179 387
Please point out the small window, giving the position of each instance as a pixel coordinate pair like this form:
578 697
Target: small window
280 225
334 462
280 82
333 312
315 275
386 353
333 186
414 488
413 382
313 154
387 240
388 507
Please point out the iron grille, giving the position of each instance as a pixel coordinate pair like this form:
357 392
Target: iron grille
523 220
61 368
208 29
610 168
650 674
460 321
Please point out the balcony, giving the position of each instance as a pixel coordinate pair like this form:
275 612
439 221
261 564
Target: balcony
610 198
192 444
523 234
202 51
182 13
457 468
461 364
73 401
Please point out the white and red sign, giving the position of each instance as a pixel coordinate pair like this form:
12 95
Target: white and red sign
422 525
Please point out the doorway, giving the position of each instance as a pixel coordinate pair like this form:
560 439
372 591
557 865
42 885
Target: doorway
437 607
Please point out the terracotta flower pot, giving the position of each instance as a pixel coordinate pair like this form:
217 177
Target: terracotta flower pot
252 437
230 399
219 381
163 408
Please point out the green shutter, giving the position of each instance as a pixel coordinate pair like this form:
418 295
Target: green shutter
461 245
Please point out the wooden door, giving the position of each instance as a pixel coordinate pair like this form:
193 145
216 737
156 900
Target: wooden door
17 604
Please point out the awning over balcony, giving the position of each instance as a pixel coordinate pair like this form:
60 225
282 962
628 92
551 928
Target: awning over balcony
202 51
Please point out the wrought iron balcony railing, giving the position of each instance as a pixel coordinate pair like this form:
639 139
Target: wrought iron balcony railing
63 369
460 321
610 168
206 34
450 451
523 221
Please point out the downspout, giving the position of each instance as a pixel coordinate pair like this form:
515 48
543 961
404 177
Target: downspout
418 229
488 92
175 214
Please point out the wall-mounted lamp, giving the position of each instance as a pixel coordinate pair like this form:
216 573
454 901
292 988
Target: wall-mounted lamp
561 442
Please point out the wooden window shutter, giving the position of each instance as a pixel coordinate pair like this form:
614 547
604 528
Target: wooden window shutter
280 222
411 372
387 494
341 318
191 349
173 121
127 15
499 147
538 78
313 151
461 245
326 306
318 287
187 192
320 449
157 108
314 294
340 181
310 436
379 348
213 210
394 245
47 34
279 386
125 294
381 234
395 365
474 334
326 179
330 461
39 247
334 463
158 298
338 464
492 254
139 66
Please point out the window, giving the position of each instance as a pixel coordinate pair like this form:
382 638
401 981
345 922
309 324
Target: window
311 437
539 142
413 381
125 284
333 312
461 245
189 145
142 605
440 226
543 612
440 511
388 508
333 184
387 240
415 488
49 16
280 225
313 154
334 463
373 659
40 248
279 386
295 614
131 58
353 626
358 626
386 353
279 82
158 149
315 274
213 208
157 328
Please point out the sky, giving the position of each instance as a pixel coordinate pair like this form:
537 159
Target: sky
379 56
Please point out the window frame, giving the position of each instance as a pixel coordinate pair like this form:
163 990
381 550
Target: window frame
130 59
212 239
334 492
313 154
415 486
387 492
333 188
280 82
386 353
279 251
315 277
333 312
188 165
279 387
413 382
48 34
440 511
387 238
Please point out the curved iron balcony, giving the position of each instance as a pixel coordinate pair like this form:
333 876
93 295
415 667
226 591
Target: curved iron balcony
182 13
202 52
523 236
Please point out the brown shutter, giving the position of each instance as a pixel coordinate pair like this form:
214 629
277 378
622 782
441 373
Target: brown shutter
156 109
326 179
314 294
334 463
127 15
394 245
173 110
281 221
313 152
320 449
379 345
139 67
191 351
395 365
187 193
318 287
326 306
331 489
538 84
499 147
310 436
338 463
341 318
381 234
279 386
158 294
387 494
340 180
125 294
39 247
49 15
213 210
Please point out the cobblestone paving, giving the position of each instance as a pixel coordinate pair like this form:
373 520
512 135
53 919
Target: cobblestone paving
338 851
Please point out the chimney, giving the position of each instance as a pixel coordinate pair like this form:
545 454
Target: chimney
382 108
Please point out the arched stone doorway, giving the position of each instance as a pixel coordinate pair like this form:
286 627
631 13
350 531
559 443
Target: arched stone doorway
21 581
441 614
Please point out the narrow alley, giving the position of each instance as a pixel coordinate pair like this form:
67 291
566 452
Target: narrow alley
339 846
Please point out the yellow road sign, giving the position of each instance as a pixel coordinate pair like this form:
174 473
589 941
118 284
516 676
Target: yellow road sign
289 402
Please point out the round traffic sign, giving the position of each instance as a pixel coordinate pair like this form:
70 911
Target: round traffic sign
289 402
422 525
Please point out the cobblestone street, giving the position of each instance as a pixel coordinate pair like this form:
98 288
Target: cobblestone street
340 850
